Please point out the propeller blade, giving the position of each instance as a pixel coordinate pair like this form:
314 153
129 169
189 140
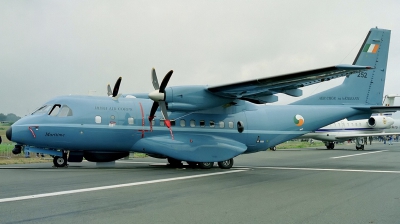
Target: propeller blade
109 92
165 81
154 79
153 110
163 106
116 87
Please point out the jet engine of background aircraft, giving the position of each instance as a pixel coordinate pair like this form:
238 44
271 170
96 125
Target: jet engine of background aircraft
380 122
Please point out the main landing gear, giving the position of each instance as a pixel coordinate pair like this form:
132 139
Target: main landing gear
330 145
60 161
227 164
360 142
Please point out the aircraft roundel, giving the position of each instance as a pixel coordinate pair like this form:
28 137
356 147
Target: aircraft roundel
298 120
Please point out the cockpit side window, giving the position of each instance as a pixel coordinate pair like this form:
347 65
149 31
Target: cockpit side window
54 111
65 111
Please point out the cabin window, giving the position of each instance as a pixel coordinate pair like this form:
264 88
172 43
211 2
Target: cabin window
212 124
222 124
182 122
65 111
192 123
230 124
202 123
54 111
97 119
130 120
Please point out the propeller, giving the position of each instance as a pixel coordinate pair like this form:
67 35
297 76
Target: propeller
114 93
158 96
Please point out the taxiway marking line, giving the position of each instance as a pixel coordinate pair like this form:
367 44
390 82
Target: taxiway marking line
319 169
358 154
114 186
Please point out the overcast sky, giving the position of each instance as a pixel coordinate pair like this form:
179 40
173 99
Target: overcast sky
53 48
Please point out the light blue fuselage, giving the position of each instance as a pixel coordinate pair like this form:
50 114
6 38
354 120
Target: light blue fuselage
105 124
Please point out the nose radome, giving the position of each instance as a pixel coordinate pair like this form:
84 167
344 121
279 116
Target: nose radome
9 134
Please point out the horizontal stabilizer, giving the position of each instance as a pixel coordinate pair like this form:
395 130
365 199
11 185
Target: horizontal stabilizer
379 109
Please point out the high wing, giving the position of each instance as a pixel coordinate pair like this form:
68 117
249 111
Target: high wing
262 90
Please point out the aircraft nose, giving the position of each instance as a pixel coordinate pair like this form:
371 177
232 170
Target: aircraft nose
9 133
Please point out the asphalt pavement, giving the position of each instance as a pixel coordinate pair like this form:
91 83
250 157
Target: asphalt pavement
311 185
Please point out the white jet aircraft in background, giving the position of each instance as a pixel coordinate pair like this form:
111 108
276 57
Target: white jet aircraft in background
359 130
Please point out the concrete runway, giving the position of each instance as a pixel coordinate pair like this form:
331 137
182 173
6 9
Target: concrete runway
286 186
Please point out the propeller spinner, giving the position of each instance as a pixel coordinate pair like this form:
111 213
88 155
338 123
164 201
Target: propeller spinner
158 96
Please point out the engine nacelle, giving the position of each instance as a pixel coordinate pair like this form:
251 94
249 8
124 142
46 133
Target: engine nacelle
380 122
192 98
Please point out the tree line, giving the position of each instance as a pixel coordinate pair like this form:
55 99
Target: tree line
9 117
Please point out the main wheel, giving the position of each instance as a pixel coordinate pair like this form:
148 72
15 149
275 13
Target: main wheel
331 145
273 148
59 161
227 164
362 147
206 165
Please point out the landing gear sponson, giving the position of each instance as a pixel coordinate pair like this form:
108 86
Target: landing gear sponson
227 164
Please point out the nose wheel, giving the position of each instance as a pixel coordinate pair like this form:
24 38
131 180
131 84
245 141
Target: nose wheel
60 161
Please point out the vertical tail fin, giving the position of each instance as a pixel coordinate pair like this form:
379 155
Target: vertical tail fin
365 87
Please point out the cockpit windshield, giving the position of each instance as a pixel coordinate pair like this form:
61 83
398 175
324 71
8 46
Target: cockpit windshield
42 110
56 110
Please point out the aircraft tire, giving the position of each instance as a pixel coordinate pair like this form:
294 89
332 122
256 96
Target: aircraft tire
358 148
227 164
59 161
273 148
362 147
206 165
331 145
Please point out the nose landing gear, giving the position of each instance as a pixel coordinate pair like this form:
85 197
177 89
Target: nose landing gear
60 161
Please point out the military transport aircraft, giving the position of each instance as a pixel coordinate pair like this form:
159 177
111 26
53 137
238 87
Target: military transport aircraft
204 124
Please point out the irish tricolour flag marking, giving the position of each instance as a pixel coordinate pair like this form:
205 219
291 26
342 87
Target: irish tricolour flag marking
371 48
